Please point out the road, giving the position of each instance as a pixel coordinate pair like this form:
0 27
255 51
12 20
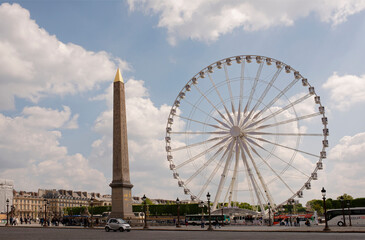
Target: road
60 233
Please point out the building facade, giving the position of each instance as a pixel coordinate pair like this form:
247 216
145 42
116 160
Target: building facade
6 193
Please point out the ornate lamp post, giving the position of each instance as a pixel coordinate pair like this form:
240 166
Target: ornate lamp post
326 228
144 199
45 213
343 211
268 204
210 219
222 215
7 212
92 211
178 213
348 207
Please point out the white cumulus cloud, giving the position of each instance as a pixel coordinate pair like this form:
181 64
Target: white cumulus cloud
345 90
35 64
207 20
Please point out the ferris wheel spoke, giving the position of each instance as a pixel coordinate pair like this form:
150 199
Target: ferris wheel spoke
206 124
201 154
279 145
276 98
229 87
206 164
211 176
289 120
266 163
292 104
201 133
209 115
210 102
250 174
234 176
286 134
220 97
198 143
241 91
282 160
253 89
268 87
258 173
224 175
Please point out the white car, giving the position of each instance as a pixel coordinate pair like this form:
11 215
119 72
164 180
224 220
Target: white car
117 224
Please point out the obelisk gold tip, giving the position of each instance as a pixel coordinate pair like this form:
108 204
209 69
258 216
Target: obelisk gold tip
118 77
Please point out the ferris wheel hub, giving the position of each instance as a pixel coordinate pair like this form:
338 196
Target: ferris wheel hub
235 131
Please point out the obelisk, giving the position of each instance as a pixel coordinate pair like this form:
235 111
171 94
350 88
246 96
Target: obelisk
121 184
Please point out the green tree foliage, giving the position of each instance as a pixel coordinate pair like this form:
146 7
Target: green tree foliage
245 205
345 197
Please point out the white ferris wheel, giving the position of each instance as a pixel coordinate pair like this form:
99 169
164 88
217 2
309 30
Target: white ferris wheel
247 129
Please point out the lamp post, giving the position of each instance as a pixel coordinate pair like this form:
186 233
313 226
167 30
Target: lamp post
144 199
222 215
268 204
92 211
7 212
326 228
45 213
178 213
343 211
348 207
12 211
210 219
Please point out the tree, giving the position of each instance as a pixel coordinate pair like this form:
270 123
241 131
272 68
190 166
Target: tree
345 197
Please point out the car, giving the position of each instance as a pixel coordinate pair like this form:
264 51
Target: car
117 224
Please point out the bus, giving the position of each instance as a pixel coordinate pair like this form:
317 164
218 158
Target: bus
196 219
335 216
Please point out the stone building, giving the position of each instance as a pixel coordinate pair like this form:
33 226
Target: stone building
6 192
28 204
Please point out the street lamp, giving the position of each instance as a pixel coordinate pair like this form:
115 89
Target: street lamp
210 219
348 207
343 211
268 204
45 213
92 210
7 212
326 228
178 212
222 215
144 199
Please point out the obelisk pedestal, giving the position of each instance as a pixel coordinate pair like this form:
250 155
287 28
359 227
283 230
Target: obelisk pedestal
121 185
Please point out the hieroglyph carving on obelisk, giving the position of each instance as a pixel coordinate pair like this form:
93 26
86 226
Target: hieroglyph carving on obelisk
121 184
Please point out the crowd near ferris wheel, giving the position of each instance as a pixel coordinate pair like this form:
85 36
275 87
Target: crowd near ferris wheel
247 129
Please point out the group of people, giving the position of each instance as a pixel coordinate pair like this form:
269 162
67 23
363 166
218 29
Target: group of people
25 220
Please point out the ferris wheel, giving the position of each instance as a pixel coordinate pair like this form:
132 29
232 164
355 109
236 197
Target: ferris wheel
246 129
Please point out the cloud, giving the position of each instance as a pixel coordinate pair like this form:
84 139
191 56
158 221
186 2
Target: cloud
347 172
346 90
35 64
32 155
207 20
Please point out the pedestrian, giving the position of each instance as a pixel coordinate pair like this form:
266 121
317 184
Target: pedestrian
186 223
26 220
286 221
21 220
203 223
298 221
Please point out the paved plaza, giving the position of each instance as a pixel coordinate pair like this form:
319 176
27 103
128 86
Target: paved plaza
227 232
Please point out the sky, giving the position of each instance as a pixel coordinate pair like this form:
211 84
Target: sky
58 60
